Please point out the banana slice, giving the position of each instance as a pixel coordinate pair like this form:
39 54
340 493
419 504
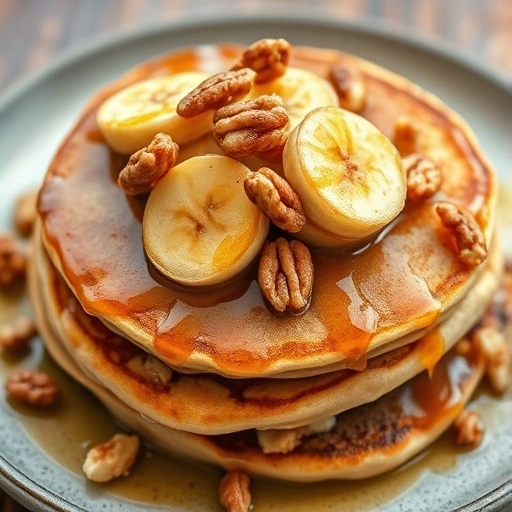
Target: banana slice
199 227
132 117
348 175
301 91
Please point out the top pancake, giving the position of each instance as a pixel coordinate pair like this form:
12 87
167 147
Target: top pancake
403 283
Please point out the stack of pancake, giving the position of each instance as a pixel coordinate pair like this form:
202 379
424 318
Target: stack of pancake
356 385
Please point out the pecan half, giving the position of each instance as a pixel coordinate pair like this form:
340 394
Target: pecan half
423 177
255 127
13 262
16 334
148 165
111 459
349 83
215 92
25 213
469 429
468 236
268 57
275 197
406 136
234 491
496 351
285 276
32 388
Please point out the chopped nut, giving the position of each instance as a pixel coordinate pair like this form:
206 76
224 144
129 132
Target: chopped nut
469 428
25 213
16 334
406 136
286 440
349 83
465 230
150 368
423 177
217 91
255 127
275 197
148 165
463 347
268 57
285 275
498 357
234 491
112 459
32 388
13 262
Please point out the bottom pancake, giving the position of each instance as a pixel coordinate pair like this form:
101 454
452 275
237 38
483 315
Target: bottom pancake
365 441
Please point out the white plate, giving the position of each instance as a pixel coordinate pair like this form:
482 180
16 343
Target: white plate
36 114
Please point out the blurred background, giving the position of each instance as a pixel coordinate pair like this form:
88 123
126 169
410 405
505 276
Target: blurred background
33 32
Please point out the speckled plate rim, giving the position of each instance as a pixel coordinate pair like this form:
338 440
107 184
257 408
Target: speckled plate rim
14 482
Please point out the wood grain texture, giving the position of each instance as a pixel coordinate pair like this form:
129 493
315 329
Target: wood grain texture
33 32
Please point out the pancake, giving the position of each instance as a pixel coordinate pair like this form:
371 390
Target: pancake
211 404
409 280
365 441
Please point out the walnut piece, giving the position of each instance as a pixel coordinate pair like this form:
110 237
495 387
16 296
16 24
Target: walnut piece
268 57
275 197
216 91
32 388
468 236
25 213
148 165
423 177
285 276
469 429
286 440
16 335
350 86
406 136
112 459
150 368
13 262
496 351
234 491
255 127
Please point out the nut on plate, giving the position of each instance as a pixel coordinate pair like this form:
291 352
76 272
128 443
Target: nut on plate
33 388
349 83
423 177
16 334
469 429
217 91
148 165
111 459
465 231
13 262
285 276
25 213
255 127
268 57
234 491
498 357
275 197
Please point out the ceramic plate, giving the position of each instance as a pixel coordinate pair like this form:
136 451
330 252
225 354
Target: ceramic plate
36 114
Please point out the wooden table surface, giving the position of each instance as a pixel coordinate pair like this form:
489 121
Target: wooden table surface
33 32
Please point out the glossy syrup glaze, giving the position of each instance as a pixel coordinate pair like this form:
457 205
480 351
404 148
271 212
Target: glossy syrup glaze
400 283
